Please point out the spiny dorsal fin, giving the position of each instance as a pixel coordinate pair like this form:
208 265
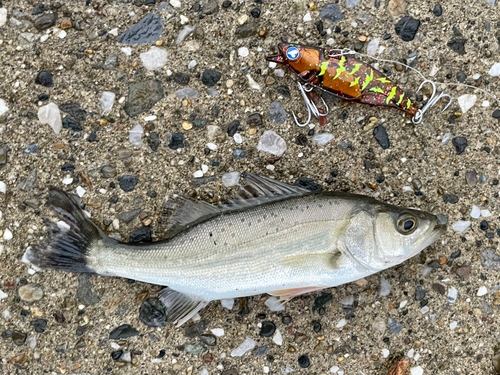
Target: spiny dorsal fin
180 307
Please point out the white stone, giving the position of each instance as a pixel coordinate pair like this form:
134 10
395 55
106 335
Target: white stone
466 102
7 235
102 191
135 135
482 291
274 304
3 16
62 34
460 226
385 353
107 100
476 76
385 287
80 191
485 213
446 139
372 46
245 346
67 180
227 303
114 31
266 369
452 295
150 118
184 19
403 304
279 73
252 84
155 58
49 114
453 325
237 138
322 138
334 369
127 51
491 3
330 41
44 38
212 146
476 212
192 64
3 107
417 370
424 310
188 29
277 338
486 103
495 70
198 174
307 17
230 179
2 295
243 51
242 19
219 332
175 3
204 372
204 168
3 187
271 142
272 64
341 323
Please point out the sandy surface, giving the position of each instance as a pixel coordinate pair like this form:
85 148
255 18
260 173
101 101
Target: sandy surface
449 338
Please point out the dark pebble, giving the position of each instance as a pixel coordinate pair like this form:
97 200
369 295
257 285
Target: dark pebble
142 96
232 128
457 45
31 149
287 319
19 338
92 137
226 4
116 355
461 77
208 339
261 350
407 28
39 325
199 123
283 90
254 120
268 328
301 140
151 193
45 78
70 123
438 288
496 113
122 332
84 291
147 30
304 361
67 167
154 141
379 178
331 12
7 334
74 110
210 77
153 313
45 21
177 141
128 182
450 198
142 234
196 329
59 317
316 326
381 136
246 30
308 183
43 97
238 154
322 300
438 10
483 225
255 12
181 78
387 36
460 144
456 254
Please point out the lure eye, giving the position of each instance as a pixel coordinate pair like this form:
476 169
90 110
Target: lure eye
406 224
292 53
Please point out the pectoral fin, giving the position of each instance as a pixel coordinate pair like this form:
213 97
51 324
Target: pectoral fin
287 294
180 307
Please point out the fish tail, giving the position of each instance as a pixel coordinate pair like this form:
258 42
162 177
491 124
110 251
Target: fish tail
65 247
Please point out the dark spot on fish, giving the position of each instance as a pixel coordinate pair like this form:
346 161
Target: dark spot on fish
225 243
277 229
210 234
215 243
249 224
259 221
320 206
282 219
243 219
232 235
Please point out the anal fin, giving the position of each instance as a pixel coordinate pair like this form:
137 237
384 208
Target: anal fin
287 294
180 307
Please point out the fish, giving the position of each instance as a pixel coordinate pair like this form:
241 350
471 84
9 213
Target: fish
272 238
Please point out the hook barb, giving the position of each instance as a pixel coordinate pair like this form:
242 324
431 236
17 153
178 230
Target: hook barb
312 109
417 118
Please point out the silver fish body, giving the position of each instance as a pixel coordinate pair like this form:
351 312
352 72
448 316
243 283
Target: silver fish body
286 242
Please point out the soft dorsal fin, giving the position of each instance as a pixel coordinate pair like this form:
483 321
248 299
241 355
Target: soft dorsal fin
257 190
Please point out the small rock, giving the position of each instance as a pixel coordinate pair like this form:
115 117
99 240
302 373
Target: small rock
107 100
438 288
381 136
396 7
463 272
308 183
482 291
30 293
128 182
196 329
227 303
84 292
39 325
188 29
245 346
74 110
210 77
322 138
19 338
142 96
3 16
385 287
70 123
154 141
208 339
450 198
155 58
460 226
230 179
277 113
45 78
233 127
146 31
471 178
239 154
452 295
271 142
407 27
304 361
267 330
419 293
153 313
372 47
466 102
246 30
254 120
187 93
460 144
177 141
45 21
123 332
331 12
438 10
3 106
28 183
49 114
496 113
135 135
142 234
495 70
195 349
457 45
394 326
181 78
491 259
108 171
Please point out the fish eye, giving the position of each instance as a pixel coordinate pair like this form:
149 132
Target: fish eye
406 224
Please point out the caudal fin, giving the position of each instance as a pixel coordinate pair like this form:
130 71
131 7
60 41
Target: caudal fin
65 248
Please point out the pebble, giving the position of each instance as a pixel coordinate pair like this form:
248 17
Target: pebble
181 78
385 287
155 58
142 96
84 291
219 332
452 295
341 323
3 16
19 338
466 102
154 141
495 114
274 304
331 12
3 295
416 371
177 141
210 77
186 93
45 78
135 135
304 361
278 338
381 136
4 108
70 123
246 30
108 171
7 235
482 291
243 51
245 346
419 293
254 120
46 21
230 179
153 313
307 17
227 303
372 46
394 326
322 138
495 70
271 142
471 177
407 28
123 332
460 144
277 113
49 114
30 293
438 10
146 31
252 84
208 339
186 30
476 212
195 349
237 138
457 45
267 329
107 100
461 225
39 325
128 182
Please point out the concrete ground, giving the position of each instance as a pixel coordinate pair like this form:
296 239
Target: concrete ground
442 307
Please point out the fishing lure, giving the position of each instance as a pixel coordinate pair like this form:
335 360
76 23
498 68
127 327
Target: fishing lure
348 78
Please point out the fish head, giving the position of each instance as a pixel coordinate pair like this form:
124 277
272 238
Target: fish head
382 236
301 59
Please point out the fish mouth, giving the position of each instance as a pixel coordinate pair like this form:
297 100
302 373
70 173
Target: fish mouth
279 57
436 233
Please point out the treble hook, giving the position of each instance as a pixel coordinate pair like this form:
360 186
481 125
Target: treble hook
311 107
431 103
